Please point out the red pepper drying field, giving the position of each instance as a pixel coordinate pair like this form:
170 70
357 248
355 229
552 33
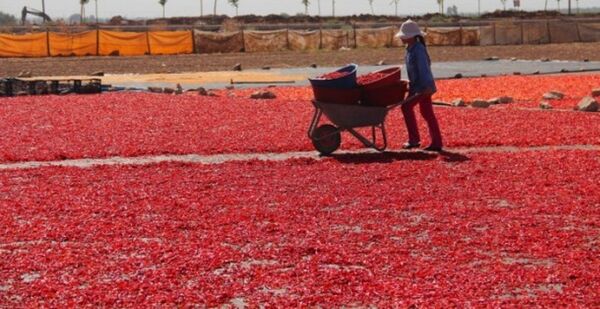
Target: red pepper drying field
526 90
500 228
496 229
133 124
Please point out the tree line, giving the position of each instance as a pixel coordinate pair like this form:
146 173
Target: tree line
9 19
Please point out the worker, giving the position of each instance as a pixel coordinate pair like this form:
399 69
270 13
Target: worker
421 87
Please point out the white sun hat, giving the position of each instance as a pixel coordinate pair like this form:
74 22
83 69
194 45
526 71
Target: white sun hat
409 29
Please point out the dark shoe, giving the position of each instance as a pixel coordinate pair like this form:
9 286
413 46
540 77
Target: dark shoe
433 148
411 146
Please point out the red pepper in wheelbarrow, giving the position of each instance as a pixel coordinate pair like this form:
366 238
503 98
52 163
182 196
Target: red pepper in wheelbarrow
333 75
370 78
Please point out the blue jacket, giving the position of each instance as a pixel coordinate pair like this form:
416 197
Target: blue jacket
418 66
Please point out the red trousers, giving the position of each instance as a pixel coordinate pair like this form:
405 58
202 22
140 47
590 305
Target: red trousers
426 107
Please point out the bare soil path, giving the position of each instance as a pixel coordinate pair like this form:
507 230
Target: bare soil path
450 154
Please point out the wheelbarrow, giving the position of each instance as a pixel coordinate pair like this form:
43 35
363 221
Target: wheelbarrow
327 138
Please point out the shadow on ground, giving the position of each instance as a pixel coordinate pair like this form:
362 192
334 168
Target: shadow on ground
390 156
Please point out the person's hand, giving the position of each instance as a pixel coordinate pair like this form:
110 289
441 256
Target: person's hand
411 98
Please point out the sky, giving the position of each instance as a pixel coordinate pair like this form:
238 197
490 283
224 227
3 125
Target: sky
151 8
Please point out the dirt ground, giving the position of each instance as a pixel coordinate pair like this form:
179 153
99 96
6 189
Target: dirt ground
223 62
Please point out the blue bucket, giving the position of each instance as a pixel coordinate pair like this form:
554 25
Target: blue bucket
345 82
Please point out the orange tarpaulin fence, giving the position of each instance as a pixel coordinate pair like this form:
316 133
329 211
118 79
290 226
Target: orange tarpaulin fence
486 36
563 32
374 38
73 44
447 36
444 36
171 42
508 33
536 33
218 42
334 39
589 32
25 45
470 36
114 43
265 41
304 40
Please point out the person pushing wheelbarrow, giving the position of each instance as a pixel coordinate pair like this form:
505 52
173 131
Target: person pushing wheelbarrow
349 107
421 87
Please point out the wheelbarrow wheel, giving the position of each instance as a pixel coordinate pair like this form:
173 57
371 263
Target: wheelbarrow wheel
326 139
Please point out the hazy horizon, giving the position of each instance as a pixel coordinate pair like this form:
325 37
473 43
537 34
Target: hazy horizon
174 8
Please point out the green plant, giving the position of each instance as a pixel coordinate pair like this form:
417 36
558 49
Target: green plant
306 3
82 14
235 4
7 19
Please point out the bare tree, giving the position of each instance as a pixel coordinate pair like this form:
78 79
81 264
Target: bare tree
558 5
235 4
395 3
163 3
441 4
306 3
215 8
201 8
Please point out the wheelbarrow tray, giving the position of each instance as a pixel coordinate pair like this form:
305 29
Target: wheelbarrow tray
353 116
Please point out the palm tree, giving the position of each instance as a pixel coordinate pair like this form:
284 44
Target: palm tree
395 2
371 5
558 5
503 4
333 8
82 14
441 4
306 3
546 6
215 8
235 4
201 8
319 5
162 3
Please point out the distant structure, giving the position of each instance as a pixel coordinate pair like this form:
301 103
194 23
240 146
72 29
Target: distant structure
29 11
452 10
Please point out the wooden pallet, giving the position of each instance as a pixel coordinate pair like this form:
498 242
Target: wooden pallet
31 86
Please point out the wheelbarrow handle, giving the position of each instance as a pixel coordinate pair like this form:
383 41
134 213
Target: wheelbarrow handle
408 100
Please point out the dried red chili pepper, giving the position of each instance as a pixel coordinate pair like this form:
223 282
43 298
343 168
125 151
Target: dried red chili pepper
370 78
334 75
421 230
